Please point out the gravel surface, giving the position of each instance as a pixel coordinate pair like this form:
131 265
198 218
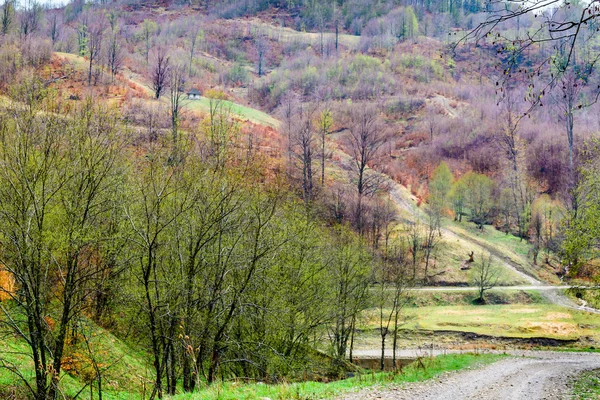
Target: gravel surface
531 375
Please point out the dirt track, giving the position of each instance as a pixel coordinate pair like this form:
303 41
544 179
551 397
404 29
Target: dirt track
538 375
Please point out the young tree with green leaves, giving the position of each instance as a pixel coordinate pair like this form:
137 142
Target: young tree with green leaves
458 198
479 191
58 189
410 24
350 270
581 246
325 123
149 27
160 195
7 17
440 186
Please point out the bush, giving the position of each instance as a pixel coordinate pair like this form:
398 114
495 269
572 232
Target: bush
405 105
236 75
421 69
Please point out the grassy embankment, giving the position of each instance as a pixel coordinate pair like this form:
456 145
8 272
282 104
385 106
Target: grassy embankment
415 372
468 297
126 372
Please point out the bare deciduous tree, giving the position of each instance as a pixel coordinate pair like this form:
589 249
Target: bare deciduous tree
303 147
262 50
114 52
196 37
160 73
566 27
30 17
176 88
290 102
325 122
554 24
484 276
393 282
513 146
367 135
54 29
94 46
571 85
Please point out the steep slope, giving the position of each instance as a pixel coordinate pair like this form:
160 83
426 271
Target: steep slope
124 370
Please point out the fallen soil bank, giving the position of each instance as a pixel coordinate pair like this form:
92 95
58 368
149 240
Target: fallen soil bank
445 341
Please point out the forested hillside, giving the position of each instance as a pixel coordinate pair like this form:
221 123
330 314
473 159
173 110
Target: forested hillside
198 192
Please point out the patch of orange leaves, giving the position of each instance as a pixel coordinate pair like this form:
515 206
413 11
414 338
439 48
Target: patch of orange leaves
7 284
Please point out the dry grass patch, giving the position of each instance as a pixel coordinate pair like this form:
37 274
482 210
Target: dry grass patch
558 315
552 328
523 310
465 311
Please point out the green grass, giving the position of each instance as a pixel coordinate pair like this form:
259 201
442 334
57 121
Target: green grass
467 298
515 320
516 250
77 61
202 105
590 296
500 240
245 113
587 386
124 368
454 252
318 390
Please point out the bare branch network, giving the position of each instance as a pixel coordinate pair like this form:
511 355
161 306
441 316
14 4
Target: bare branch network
562 32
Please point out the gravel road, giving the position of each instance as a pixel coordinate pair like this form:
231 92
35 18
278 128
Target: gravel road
530 375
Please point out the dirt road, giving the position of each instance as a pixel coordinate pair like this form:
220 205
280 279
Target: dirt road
530 375
474 288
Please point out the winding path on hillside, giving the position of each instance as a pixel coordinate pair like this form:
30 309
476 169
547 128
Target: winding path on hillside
398 196
402 199
529 375
552 293
405 203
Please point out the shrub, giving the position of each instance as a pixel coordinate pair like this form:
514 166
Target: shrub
236 75
404 105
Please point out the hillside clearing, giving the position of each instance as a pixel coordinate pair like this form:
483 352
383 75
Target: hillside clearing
202 105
